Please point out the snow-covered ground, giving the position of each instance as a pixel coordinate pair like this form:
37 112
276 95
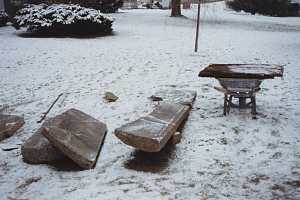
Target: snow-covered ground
232 157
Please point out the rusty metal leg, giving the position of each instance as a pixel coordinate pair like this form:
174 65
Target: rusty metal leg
225 104
229 103
242 102
253 107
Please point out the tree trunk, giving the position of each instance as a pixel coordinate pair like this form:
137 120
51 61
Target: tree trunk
176 8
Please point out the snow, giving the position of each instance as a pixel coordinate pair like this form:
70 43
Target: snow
232 157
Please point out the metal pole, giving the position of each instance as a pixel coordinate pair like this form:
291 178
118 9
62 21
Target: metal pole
197 30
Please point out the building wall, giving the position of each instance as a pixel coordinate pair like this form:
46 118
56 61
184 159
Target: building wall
130 4
2 5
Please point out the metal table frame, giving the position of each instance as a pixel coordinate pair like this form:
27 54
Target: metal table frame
242 89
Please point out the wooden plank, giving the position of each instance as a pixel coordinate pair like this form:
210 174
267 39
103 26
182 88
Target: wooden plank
151 133
250 71
79 137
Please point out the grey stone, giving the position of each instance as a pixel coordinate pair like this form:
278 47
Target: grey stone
9 125
37 149
176 138
79 137
110 97
184 97
151 133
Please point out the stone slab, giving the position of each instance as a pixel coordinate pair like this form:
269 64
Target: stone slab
184 97
151 133
80 137
9 125
37 149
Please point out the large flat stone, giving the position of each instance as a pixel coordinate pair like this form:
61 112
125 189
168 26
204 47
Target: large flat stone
184 97
9 124
79 137
37 149
151 133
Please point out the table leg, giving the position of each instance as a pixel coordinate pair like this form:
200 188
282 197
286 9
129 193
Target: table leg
225 104
253 107
242 102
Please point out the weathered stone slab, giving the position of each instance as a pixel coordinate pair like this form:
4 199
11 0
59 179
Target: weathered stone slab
37 149
79 137
151 133
184 97
9 124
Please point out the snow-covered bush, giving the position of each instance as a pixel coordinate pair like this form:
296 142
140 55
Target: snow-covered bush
62 19
278 8
105 6
3 18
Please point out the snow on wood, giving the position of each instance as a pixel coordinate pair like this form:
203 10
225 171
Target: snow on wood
256 71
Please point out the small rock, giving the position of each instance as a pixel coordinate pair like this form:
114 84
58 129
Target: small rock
276 155
110 97
294 183
256 178
223 141
9 124
155 98
176 138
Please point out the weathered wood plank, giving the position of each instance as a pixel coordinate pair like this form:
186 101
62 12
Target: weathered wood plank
256 71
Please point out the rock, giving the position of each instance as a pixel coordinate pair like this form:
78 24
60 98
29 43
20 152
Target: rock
151 133
176 138
155 98
9 124
79 137
184 97
37 149
110 97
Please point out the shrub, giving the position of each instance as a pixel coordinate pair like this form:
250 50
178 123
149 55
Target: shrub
62 19
280 8
3 18
105 6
